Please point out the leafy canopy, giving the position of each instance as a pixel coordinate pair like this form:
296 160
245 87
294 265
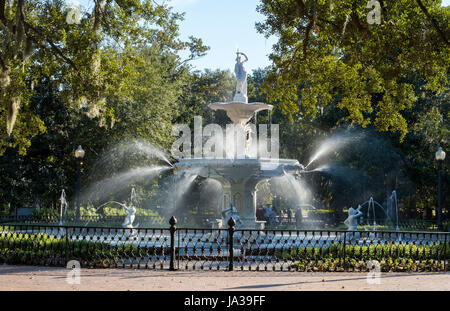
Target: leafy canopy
90 55
329 54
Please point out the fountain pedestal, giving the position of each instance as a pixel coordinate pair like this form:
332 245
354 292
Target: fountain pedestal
239 178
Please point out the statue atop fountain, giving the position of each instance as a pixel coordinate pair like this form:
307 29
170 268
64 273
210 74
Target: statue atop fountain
240 111
241 77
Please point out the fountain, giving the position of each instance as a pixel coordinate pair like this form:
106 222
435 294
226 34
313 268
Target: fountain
371 204
393 207
239 174
63 206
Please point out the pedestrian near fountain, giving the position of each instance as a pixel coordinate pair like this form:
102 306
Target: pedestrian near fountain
260 213
289 214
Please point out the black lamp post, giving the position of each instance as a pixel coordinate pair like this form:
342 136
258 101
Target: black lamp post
440 157
79 155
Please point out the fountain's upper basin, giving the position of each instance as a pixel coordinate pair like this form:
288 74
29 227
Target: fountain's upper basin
240 112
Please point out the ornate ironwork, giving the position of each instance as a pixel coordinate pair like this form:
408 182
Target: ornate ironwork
223 249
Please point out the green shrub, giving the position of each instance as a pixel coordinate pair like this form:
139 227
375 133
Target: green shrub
43 249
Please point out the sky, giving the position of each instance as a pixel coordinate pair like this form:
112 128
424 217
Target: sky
224 26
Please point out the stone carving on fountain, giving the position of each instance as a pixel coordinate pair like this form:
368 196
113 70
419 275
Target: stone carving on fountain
239 176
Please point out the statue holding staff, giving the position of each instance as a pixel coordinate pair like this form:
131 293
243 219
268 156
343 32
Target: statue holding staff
241 77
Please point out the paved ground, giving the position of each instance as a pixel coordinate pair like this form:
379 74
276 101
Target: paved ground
49 278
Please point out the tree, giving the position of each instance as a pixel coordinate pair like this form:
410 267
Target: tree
328 55
90 55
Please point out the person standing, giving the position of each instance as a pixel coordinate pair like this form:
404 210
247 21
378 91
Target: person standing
289 214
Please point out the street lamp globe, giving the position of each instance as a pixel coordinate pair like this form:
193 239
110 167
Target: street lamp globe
440 154
79 153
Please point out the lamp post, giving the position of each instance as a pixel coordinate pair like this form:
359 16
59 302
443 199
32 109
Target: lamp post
79 155
440 157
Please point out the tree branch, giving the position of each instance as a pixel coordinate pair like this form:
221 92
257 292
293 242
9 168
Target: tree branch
2 63
433 22
362 28
2 13
55 49
98 12
303 12
302 7
306 41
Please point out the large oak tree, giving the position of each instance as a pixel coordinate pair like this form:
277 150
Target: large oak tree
330 52
91 54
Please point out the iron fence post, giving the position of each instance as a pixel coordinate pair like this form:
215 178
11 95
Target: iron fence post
67 245
77 211
343 257
173 229
445 252
231 224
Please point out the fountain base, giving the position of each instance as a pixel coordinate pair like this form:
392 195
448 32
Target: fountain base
239 178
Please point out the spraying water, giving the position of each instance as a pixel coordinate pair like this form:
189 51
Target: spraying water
180 184
133 197
63 206
149 149
291 188
130 149
330 144
105 187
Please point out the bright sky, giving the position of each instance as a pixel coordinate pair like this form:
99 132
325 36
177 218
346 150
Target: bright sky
224 25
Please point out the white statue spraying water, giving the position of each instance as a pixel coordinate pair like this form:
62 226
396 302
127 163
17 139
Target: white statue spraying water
352 220
131 211
232 212
129 219
63 206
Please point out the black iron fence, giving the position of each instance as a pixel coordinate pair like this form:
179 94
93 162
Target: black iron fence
224 249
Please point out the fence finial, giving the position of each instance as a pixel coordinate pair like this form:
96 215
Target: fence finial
231 222
172 221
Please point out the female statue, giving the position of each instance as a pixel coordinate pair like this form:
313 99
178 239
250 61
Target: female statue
241 75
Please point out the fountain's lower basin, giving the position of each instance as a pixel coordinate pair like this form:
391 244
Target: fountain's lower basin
239 178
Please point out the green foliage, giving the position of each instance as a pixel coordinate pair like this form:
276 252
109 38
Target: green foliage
333 57
43 249
88 61
392 257
44 213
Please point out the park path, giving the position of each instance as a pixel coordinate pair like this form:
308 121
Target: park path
55 279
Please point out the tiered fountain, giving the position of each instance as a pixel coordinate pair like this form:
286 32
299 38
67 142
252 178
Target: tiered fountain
240 174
